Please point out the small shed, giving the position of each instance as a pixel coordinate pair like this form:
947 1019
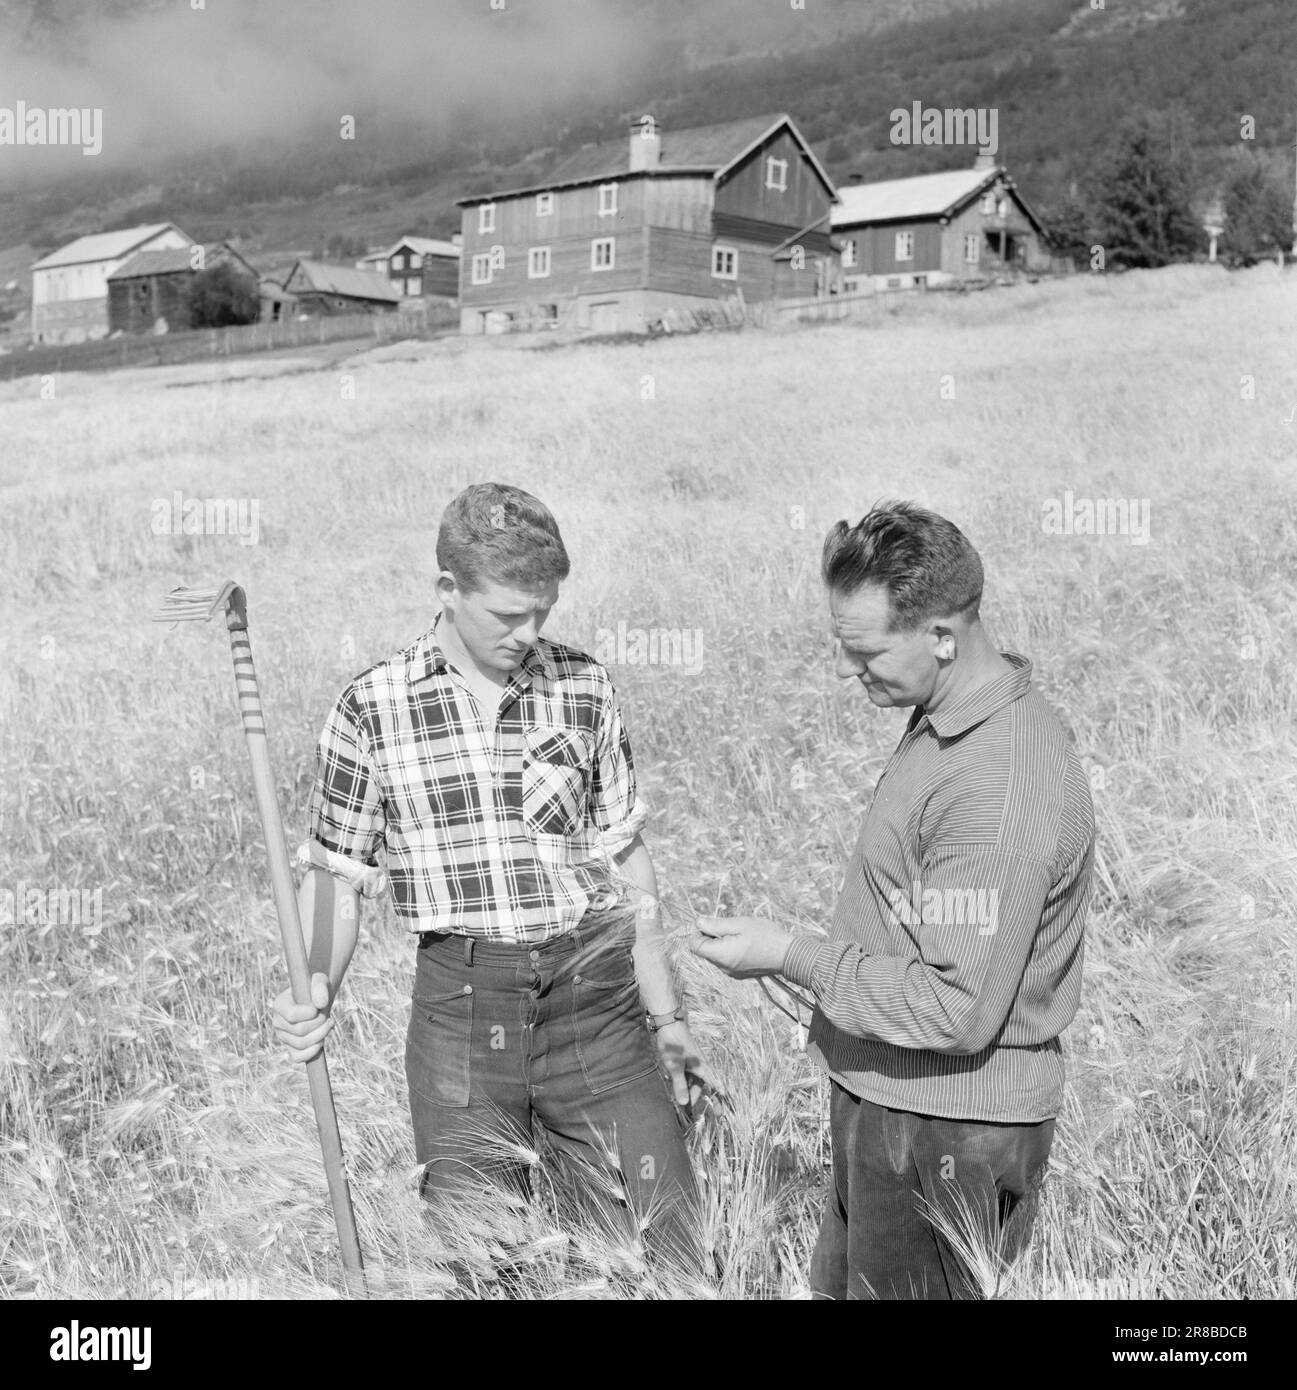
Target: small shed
320 288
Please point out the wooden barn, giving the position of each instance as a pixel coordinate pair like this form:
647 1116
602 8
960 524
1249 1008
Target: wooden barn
622 232
149 293
319 288
418 266
277 305
70 285
932 229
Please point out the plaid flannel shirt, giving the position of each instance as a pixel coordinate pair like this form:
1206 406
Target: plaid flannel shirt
504 833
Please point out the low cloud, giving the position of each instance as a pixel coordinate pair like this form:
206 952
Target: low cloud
200 73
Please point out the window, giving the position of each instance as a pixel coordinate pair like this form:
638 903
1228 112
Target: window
777 174
544 204
987 205
538 262
603 253
904 246
972 248
413 260
486 217
607 199
725 263
849 253
414 286
482 268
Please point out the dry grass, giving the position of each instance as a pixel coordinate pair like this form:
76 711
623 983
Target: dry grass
150 1138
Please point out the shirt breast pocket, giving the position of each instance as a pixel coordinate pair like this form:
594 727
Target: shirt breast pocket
555 772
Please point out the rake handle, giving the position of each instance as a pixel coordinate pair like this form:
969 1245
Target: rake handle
290 931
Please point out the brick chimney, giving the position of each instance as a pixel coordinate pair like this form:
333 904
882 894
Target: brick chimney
985 160
645 144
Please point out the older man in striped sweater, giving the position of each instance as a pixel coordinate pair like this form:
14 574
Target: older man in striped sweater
953 963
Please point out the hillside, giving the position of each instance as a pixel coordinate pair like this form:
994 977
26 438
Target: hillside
1060 74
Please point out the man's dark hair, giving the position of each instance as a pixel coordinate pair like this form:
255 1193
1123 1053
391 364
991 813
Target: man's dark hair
926 563
494 533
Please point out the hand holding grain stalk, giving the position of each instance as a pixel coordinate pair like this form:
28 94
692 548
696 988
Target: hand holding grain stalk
745 948
198 605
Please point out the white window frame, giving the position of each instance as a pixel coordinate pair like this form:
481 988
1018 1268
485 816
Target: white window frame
906 240
481 262
538 262
773 164
607 199
486 217
730 251
611 243
972 248
544 204
849 253
987 206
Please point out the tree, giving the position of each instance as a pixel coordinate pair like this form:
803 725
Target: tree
1258 216
1068 224
1142 196
221 296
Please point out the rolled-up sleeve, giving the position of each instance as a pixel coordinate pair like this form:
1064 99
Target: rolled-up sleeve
974 924
346 821
616 811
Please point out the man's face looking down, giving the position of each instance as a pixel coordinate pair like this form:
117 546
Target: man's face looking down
897 669
498 624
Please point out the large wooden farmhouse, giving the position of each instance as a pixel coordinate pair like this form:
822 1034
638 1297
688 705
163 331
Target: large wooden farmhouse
70 285
935 228
150 292
621 232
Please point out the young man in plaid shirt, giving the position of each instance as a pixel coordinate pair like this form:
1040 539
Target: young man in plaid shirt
492 768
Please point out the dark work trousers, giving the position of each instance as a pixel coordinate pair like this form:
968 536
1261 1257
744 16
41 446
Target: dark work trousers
891 1168
503 1035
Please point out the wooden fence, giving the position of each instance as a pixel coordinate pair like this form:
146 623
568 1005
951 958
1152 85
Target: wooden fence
196 345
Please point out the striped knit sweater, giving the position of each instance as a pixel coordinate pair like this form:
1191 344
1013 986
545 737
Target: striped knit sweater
954 960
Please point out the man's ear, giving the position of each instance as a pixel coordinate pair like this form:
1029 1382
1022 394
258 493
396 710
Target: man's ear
943 635
447 589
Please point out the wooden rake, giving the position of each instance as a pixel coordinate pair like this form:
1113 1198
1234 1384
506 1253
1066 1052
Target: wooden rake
183 605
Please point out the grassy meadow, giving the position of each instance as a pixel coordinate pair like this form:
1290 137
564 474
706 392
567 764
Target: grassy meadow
153 1141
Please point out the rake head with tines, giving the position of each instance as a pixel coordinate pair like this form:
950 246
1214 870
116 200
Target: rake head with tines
185 605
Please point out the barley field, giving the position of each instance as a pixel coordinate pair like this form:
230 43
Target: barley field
153 1141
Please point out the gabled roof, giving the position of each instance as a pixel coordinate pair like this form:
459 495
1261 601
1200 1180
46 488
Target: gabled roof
342 279
105 246
170 260
713 150
425 246
923 196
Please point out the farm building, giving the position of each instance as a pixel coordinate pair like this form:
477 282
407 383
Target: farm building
622 232
318 288
70 285
929 230
419 265
277 305
149 293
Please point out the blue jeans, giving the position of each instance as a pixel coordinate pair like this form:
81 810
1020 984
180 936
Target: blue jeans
890 1167
504 1035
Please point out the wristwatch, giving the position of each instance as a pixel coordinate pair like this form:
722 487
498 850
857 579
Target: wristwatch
656 1021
